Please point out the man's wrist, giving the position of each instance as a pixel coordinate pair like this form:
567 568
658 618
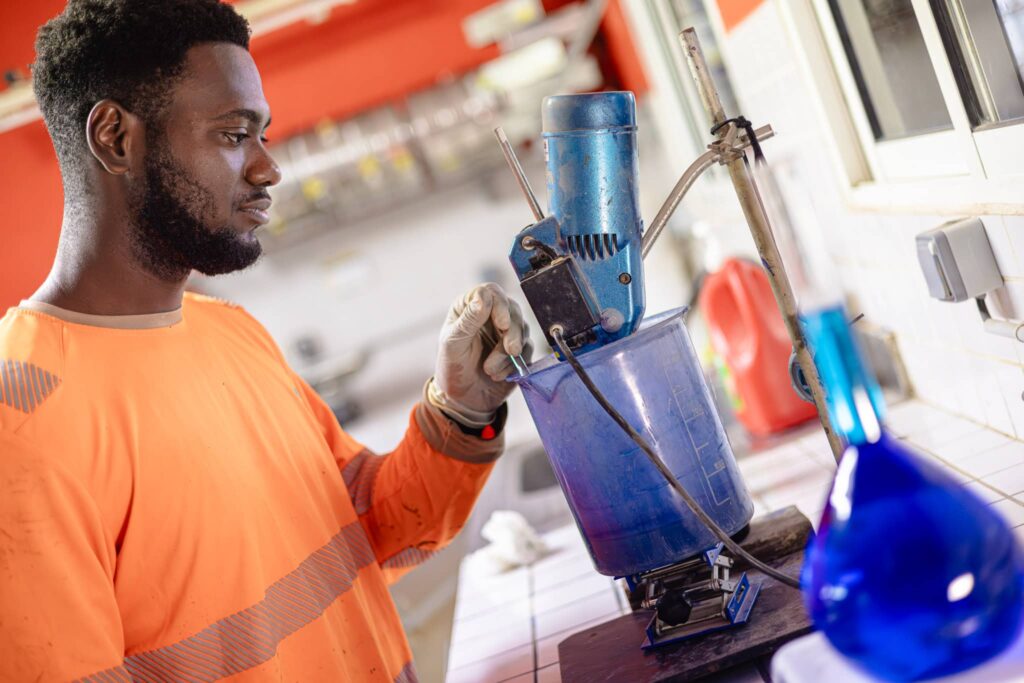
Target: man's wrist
457 412
489 431
446 435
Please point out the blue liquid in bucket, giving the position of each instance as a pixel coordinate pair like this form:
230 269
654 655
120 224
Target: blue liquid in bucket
631 520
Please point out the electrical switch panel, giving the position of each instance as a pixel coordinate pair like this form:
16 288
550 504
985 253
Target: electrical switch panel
957 261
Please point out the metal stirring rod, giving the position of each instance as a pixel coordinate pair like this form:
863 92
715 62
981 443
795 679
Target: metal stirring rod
531 199
517 361
517 171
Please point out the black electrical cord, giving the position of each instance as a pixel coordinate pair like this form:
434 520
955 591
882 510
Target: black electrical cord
748 127
532 242
694 506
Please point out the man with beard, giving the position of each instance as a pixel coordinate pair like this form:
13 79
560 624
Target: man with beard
175 502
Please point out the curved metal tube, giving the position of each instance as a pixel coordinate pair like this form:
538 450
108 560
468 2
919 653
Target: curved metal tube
686 181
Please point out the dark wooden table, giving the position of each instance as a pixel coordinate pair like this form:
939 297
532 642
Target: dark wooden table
611 651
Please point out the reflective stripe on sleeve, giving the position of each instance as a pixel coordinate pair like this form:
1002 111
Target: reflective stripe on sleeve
360 474
407 674
409 557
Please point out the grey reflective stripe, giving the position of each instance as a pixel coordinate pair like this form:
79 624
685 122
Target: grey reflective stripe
360 475
407 674
30 383
24 386
118 674
409 557
250 637
15 384
7 385
37 383
28 403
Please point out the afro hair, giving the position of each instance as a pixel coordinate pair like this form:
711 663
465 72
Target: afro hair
130 51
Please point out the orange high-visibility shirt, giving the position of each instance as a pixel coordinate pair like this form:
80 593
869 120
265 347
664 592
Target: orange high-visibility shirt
176 504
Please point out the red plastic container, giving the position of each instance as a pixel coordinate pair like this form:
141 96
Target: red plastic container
748 332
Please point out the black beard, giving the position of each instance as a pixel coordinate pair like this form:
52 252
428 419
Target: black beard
170 238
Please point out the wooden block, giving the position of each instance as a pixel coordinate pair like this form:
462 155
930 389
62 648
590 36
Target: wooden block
774 536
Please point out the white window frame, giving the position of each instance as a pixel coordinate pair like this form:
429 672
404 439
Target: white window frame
958 171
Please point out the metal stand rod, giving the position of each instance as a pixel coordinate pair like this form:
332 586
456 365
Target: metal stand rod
760 230
686 181
517 171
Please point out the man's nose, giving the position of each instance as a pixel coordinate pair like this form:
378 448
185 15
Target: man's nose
262 170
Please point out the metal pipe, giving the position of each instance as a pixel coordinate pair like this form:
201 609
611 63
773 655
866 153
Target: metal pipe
1004 328
760 230
517 171
686 181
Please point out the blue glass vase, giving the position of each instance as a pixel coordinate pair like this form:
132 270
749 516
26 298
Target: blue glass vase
911 574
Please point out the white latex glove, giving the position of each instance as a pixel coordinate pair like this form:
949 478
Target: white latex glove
482 330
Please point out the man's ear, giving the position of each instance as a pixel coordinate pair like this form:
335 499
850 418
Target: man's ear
114 134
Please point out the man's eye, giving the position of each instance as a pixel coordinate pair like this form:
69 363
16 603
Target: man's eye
236 138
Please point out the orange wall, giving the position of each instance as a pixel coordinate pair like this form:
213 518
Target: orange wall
30 220
735 11
365 54
368 53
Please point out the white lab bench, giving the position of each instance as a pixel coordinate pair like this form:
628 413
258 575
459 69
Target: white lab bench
508 626
812 659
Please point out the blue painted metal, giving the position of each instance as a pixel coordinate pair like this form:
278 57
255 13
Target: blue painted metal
712 554
738 596
592 179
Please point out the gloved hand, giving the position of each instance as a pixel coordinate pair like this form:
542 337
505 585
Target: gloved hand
482 330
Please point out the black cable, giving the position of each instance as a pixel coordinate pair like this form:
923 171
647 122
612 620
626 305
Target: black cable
748 127
694 506
695 287
540 246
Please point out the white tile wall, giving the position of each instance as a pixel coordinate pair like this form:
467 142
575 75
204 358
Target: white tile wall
999 238
1015 232
951 361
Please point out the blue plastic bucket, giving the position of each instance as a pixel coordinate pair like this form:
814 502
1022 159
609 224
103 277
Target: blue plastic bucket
630 518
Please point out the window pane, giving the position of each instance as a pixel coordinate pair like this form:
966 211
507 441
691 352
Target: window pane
891 64
1012 14
985 42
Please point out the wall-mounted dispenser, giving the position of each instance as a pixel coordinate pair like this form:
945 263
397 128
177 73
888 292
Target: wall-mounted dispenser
958 265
